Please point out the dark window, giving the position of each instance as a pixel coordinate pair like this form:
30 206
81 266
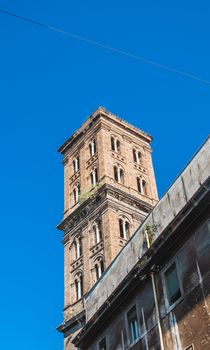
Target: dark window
121 176
96 175
139 156
121 228
172 284
92 147
112 144
102 344
118 145
144 187
133 326
80 246
134 156
99 269
79 287
76 192
124 228
115 173
115 144
102 266
139 184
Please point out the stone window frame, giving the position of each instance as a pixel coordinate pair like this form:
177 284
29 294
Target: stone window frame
117 147
76 193
119 168
95 179
78 274
77 241
97 263
92 147
76 164
142 189
136 158
127 220
97 222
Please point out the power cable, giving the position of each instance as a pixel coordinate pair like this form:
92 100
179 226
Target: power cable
107 47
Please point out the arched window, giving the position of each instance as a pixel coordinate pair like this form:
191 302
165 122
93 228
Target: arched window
76 164
99 268
92 147
119 174
124 228
76 192
78 282
142 186
78 247
115 144
97 231
94 177
136 155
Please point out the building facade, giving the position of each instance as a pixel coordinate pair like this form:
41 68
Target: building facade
109 188
155 295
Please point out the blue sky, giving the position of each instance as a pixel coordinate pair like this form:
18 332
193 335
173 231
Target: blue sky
49 84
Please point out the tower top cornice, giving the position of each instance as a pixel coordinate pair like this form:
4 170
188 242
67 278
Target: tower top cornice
102 113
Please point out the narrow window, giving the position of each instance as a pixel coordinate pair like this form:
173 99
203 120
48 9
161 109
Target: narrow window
121 180
139 184
133 326
115 173
97 272
78 287
78 248
118 174
112 144
115 144
144 187
172 284
124 228
102 344
97 232
136 156
121 228
76 164
118 146
92 147
102 266
94 177
99 268
76 193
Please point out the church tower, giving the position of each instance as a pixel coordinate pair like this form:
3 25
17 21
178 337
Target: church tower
109 188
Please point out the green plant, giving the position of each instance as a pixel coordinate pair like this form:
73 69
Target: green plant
88 194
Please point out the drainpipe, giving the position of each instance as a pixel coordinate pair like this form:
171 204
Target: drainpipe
155 298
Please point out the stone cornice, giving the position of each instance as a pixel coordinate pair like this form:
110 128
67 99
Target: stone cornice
100 201
93 118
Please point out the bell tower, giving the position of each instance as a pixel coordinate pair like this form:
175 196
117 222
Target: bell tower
109 188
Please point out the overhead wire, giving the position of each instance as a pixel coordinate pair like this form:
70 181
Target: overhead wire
107 47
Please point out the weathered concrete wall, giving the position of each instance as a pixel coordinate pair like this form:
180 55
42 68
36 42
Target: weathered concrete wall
187 322
181 191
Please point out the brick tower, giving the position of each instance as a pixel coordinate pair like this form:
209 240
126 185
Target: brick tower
109 188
